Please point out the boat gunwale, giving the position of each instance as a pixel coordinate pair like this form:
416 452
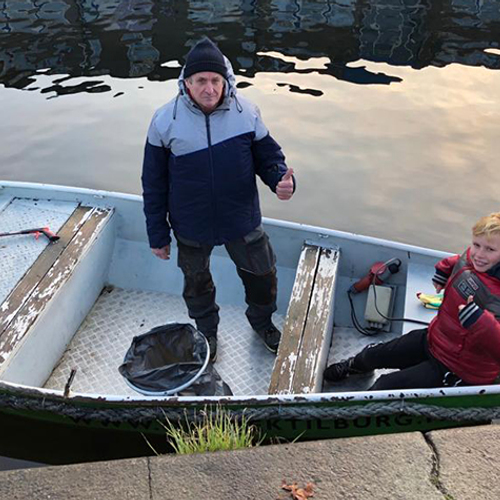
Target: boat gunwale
320 231
264 399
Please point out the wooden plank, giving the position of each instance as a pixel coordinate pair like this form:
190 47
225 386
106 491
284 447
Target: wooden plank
284 366
52 282
318 330
23 290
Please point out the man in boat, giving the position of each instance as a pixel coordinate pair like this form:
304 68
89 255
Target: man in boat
203 151
461 346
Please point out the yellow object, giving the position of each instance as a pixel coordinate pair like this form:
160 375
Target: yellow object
430 301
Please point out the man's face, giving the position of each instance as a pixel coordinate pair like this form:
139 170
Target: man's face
485 252
206 89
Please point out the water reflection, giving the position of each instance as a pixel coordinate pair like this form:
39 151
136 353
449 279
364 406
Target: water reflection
388 110
132 38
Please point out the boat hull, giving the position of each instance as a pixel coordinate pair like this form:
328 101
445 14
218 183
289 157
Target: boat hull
126 425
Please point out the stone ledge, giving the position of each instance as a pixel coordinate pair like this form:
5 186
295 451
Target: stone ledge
453 464
469 461
119 479
396 466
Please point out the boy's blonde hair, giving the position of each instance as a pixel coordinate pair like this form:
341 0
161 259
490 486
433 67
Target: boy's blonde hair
487 226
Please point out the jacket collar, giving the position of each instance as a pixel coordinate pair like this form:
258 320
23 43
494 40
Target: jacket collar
494 271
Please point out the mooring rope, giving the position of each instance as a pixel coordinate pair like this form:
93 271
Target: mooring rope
144 414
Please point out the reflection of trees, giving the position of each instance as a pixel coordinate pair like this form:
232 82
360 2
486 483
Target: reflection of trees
132 38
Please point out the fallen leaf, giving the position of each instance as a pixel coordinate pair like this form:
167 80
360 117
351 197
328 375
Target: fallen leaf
298 493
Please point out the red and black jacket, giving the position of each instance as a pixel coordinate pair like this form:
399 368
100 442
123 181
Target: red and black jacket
467 341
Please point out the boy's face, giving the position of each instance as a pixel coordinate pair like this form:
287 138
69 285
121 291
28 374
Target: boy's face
485 252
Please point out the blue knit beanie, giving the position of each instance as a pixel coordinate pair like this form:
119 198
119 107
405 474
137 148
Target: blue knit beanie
205 56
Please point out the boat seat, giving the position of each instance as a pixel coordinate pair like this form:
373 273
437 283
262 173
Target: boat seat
307 332
419 279
38 317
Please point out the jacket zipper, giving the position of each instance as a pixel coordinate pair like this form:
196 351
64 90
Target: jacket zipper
215 235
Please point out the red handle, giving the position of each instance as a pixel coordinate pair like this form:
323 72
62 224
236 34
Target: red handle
48 233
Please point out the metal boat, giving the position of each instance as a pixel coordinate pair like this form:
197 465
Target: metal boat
70 309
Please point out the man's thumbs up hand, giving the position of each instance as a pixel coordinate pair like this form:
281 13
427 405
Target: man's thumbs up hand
288 174
284 188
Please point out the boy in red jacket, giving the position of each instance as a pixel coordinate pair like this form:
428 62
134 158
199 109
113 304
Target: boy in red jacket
461 346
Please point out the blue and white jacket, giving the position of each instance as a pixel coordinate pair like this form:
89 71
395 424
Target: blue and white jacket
199 170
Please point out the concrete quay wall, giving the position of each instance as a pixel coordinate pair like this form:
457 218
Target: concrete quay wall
453 464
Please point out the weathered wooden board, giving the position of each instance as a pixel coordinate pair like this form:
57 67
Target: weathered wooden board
284 366
51 282
318 330
23 290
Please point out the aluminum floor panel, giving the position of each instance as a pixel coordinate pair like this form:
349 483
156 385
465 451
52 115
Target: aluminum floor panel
347 342
118 315
18 253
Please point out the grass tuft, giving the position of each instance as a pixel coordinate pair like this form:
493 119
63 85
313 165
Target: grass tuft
212 430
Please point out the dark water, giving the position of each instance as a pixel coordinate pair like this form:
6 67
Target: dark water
388 110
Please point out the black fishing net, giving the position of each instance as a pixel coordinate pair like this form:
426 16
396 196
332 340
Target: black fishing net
172 359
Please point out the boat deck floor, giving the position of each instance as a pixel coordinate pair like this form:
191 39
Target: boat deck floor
347 342
118 315
101 342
